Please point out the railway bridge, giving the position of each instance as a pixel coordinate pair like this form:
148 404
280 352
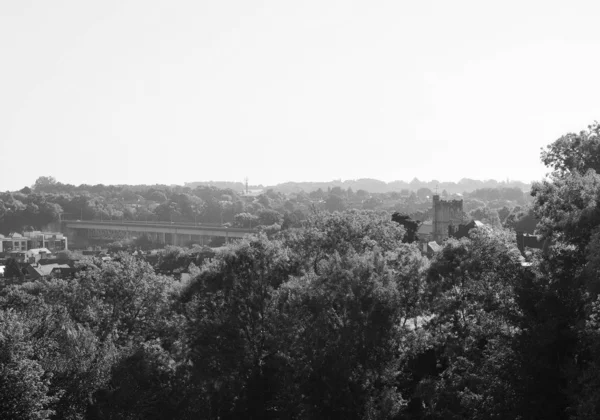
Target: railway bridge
160 232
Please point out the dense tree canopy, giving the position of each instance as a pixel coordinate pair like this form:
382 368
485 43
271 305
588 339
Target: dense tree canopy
575 152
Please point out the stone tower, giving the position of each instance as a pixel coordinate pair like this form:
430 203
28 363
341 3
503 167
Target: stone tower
447 215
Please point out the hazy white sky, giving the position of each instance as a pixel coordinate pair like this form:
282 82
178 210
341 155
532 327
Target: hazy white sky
150 91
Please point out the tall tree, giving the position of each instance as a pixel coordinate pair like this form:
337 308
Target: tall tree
575 152
411 226
472 302
24 386
234 328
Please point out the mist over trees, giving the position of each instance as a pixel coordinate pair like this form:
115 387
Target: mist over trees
373 185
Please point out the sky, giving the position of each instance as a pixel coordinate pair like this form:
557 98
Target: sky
147 91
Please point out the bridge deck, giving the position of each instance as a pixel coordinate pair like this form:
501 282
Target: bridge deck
160 227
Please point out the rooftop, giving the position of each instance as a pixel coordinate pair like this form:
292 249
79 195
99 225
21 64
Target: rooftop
46 270
435 247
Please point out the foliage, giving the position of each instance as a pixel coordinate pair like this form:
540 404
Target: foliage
485 215
411 226
575 152
278 337
568 207
335 203
521 220
12 269
24 386
80 328
232 326
149 383
174 259
348 360
471 285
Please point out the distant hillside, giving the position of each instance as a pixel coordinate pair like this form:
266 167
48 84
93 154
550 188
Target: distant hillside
373 185
236 186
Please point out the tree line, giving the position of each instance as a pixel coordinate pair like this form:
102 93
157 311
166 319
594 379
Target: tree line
49 201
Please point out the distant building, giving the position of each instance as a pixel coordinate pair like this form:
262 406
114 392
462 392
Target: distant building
17 243
447 216
36 254
53 241
37 271
29 256
13 242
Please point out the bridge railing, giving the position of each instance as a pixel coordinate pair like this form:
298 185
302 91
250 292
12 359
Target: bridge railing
144 222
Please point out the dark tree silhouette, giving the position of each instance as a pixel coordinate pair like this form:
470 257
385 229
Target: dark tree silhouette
411 226
12 269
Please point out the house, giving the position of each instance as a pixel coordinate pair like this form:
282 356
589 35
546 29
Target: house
29 256
37 271
36 254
